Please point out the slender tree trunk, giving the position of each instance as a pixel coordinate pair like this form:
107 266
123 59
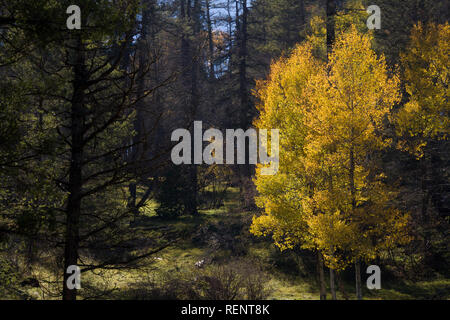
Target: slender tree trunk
352 179
139 147
302 15
332 285
210 40
190 65
243 90
30 254
132 189
426 194
75 172
242 24
353 199
323 288
332 280
426 197
358 280
331 13
230 42
195 102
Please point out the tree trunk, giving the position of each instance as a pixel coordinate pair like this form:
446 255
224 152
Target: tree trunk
139 148
323 290
426 198
353 199
243 91
302 14
190 78
352 179
245 112
30 254
75 171
332 285
132 188
331 13
358 280
210 40
195 102
230 41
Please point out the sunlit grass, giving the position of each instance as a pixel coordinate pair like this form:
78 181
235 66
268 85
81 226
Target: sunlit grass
183 255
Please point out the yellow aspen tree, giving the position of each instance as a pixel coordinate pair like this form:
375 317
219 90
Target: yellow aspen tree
423 122
282 107
426 74
351 98
328 195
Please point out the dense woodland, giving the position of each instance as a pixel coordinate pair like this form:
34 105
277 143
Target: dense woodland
86 176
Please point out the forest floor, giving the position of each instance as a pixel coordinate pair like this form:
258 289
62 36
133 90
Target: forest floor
222 237
290 275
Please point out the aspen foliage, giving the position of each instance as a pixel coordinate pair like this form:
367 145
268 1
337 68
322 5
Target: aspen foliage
329 194
426 74
354 15
282 106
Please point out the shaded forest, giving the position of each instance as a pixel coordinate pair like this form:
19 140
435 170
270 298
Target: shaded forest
87 176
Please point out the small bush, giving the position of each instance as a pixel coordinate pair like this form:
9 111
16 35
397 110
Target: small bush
237 280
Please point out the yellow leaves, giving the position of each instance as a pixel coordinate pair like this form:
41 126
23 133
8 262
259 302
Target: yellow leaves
353 98
333 236
354 15
263 225
283 102
285 236
426 73
330 231
324 196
